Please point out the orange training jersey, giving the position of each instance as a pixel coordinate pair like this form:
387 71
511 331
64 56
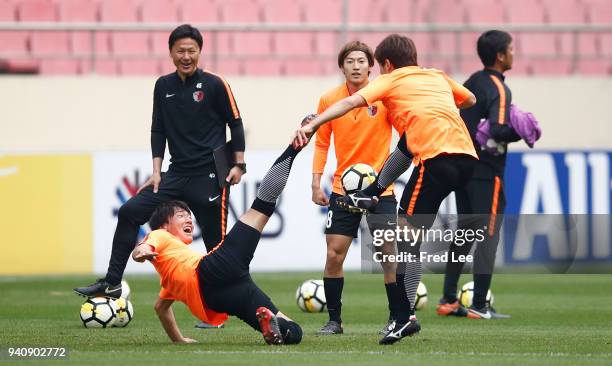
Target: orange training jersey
424 102
176 265
363 135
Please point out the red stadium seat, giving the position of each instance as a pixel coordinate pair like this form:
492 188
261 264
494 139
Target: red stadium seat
258 67
8 13
468 43
77 11
547 67
470 65
302 67
240 11
130 43
566 12
539 44
445 44
14 42
119 11
199 11
524 11
399 11
159 11
282 11
600 11
366 11
252 43
588 44
293 43
59 67
228 67
139 67
159 43
594 67
484 12
448 12
325 43
165 66
36 11
104 67
605 40
50 43
322 11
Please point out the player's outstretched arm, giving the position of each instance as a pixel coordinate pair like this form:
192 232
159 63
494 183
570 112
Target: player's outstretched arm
163 308
143 252
336 110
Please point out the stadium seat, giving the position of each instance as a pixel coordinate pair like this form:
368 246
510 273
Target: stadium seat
21 66
538 44
293 43
399 11
594 67
282 11
228 67
77 11
605 40
325 43
548 67
14 42
49 43
524 12
468 43
322 11
600 11
259 67
252 43
588 44
484 12
469 65
119 11
366 11
444 44
104 67
139 67
130 43
165 66
199 11
59 67
159 11
302 67
8 13
565 12
240 11
447 12
36 11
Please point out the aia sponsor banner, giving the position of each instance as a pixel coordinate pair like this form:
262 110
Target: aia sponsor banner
292 240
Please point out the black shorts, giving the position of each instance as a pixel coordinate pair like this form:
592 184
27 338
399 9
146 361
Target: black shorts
225 282
431 181
341 222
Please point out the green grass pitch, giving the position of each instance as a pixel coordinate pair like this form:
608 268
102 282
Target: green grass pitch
557 320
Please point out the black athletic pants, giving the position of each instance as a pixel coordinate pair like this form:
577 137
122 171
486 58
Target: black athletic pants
202 194
227 286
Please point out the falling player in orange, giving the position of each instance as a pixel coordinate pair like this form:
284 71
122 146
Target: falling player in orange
361 136
424 102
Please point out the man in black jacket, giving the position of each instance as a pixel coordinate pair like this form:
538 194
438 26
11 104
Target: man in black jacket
191 109
483 199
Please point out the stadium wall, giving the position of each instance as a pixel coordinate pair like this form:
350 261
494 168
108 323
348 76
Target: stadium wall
73 149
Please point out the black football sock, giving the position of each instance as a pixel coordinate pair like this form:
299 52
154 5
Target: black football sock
396 164
290 330
482 283
333 295
392 300
274 182
402 299
450 286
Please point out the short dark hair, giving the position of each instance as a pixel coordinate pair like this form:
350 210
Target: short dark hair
399 50
185 31
164 212
355 46
490 43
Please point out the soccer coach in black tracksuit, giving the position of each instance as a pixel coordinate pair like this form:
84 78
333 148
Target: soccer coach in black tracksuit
191 109
484 195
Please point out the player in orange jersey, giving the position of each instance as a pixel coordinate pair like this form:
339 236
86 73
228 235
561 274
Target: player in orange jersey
218 282
424 102
361 136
